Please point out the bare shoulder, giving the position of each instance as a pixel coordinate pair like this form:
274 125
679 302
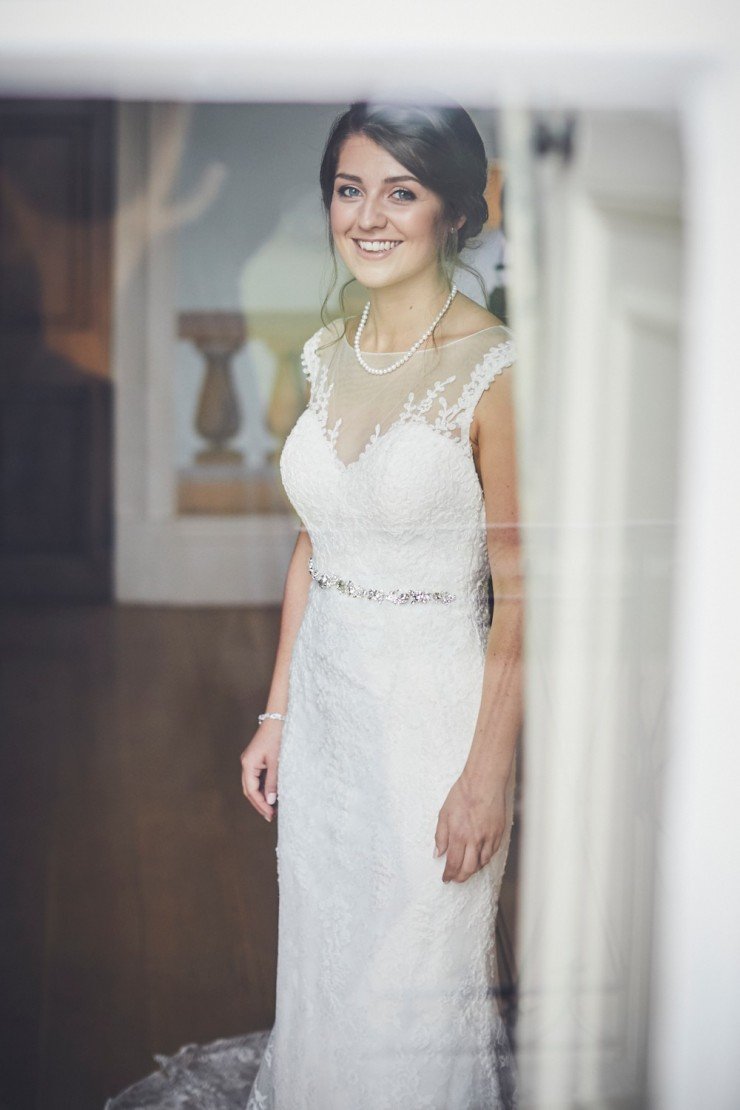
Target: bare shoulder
334 331
336 326
469 317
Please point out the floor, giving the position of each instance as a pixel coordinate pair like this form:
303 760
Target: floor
139 908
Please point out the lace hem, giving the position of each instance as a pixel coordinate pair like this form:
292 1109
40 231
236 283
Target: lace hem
215 1076
236 1074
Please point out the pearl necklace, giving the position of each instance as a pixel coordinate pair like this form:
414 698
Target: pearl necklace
411 351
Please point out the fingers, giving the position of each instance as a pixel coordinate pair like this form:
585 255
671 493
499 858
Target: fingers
271 784
487 852
455 858
441 836
463 856
251 770
489 849
463 860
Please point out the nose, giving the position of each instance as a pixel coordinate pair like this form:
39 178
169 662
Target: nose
370 215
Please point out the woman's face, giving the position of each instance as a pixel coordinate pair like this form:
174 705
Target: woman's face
377 201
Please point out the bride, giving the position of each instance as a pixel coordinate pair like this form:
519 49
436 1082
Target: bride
387 749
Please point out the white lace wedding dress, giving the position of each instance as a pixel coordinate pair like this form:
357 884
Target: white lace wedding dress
386 975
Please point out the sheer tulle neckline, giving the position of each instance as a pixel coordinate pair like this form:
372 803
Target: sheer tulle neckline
357 412
428 350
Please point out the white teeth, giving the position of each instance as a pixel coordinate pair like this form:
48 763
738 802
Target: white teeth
375 245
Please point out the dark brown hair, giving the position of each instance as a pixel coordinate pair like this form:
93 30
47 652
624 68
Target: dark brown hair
441 146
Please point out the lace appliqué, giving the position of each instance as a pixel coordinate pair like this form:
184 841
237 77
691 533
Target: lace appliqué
454 419
310 361
317 373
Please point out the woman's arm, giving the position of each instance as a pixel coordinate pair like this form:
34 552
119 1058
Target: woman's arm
297 581
499 720
473 819
262 752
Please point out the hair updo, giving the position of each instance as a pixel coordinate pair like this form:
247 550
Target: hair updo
438 144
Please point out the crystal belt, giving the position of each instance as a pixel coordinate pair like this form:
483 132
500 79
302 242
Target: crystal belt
398 597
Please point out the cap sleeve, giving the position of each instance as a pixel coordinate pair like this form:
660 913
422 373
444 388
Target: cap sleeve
487 369
309 356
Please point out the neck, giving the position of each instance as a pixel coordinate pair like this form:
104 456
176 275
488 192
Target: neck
399 314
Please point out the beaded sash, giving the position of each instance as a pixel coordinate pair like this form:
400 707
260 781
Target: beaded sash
397 597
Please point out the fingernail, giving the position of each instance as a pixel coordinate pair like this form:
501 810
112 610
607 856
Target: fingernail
271 798
267 817
435 853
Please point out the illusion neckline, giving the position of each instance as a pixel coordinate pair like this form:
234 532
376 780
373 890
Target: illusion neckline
379 437
441 347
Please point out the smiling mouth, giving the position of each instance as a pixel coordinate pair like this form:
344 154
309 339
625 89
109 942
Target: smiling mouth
376 248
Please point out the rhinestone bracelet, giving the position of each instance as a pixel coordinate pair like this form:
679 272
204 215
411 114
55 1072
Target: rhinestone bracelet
398 597
271 716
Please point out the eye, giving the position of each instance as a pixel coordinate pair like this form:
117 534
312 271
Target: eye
408 194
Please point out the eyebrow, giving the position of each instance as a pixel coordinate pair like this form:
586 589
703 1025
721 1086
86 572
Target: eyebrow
386 180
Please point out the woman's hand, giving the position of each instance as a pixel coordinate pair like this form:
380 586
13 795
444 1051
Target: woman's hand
470 827
262 754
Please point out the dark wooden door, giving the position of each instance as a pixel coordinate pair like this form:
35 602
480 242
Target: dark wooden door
56 207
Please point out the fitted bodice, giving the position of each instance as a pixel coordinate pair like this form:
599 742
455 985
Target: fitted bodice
380 467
